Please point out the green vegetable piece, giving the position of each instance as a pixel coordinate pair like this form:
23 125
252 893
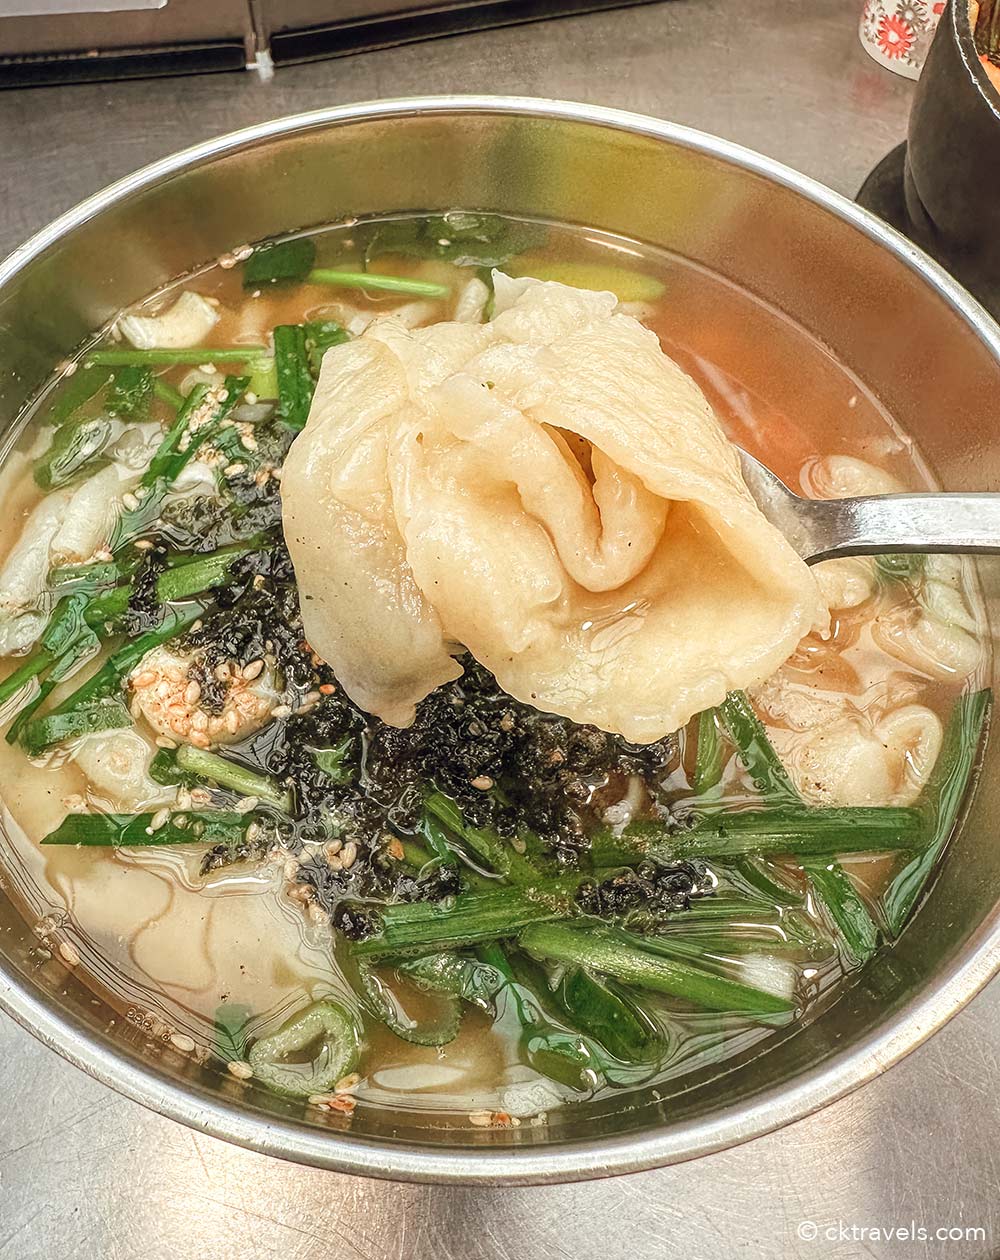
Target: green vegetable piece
199 419
130 831
383 284
463 238
36 664
279 262
837 894
321 334
231 1036
263 377
131 393
941 803
106 682
710 761
166 393
769 776
332 761
185 580
598 1008
615 954
227 774
194 357
295 381
389 1005
900 568
832 885
55 728
74 391
485 843
336 1038
75 445
422 927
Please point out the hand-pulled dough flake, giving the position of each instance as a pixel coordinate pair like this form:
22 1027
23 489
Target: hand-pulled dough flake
549 490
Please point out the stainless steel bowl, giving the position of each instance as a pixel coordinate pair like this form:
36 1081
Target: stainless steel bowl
925 348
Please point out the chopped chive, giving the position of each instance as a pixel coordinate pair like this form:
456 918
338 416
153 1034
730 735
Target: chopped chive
837 894
227 774
709 760
422 927
37 663
170 358
321 334
107 680
295 381
618 955
277 1061
127 831
199 418
372 280
57 728
198 575
942 800
484 842
831 883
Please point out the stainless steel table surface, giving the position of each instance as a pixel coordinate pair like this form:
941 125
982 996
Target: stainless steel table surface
84 1173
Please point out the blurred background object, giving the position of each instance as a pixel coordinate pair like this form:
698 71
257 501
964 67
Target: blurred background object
942 186
66 41
898 33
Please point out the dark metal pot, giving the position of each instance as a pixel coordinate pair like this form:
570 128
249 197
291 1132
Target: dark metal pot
951 178
886 310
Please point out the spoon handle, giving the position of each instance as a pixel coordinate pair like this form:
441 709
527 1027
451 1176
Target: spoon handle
885 523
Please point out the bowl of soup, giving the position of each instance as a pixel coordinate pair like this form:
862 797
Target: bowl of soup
421 757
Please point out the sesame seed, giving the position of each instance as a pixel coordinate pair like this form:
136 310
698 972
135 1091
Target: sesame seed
482 782
247 804
242 1071
281 711
197 625
201 796
250 396
481 1119
182 1042
251 671
232 721
145 679
223 673
248 442
159 819
311 697
130 501
68 953
199 739
348 855
192 692
227 261
207 368
347 1083
234 469
258 581
143 544
333 848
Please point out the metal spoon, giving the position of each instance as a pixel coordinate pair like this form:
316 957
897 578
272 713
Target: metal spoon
820 529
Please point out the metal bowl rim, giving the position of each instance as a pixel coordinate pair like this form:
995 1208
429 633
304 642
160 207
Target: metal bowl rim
972 967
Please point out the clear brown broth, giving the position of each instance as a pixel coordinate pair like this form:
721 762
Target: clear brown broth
166 947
